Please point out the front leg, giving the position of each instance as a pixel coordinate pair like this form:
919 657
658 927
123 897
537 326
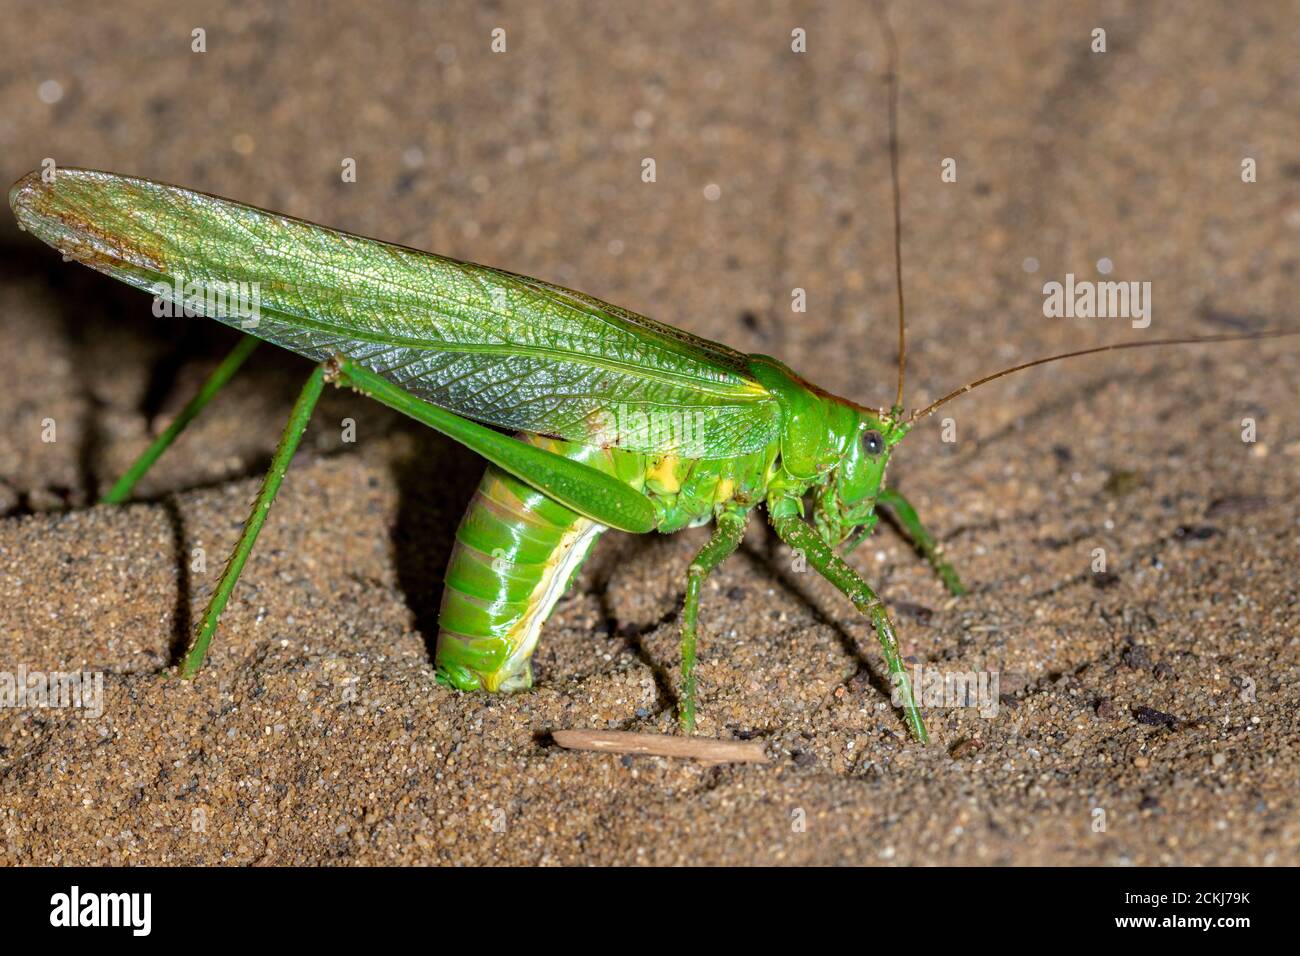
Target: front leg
905 515
797 534
727 535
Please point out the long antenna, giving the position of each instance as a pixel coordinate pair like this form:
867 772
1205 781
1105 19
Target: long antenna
1197 340
891 45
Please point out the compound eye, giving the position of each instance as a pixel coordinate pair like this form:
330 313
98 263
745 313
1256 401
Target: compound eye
873 443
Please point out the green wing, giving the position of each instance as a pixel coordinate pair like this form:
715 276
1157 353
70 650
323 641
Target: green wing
501 348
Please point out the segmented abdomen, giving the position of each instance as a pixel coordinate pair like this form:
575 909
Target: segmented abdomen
516 553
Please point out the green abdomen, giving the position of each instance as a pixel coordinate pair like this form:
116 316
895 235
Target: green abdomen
516 553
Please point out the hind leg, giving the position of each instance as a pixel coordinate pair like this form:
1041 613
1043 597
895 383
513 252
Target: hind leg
121 490
293 431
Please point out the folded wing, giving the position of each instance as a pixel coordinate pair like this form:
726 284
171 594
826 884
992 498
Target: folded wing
500 348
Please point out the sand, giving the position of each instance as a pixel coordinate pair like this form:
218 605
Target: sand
1147 714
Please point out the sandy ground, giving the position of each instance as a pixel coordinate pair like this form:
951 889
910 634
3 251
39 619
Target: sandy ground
1147 715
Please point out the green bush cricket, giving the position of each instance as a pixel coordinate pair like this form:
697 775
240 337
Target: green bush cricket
621 422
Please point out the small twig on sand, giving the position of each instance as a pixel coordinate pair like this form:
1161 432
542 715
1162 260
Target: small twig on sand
703 749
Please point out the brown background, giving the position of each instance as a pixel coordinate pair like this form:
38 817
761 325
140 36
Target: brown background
317 734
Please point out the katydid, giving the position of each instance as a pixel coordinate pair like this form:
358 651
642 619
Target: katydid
619 421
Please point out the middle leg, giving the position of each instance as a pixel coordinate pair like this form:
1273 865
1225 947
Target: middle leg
728 534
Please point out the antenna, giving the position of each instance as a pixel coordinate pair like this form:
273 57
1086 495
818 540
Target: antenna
891 45
1196 340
